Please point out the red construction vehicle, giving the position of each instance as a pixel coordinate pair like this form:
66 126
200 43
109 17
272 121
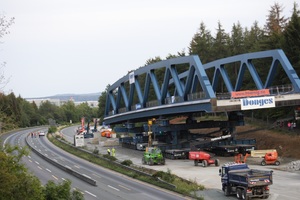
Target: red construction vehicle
271 158
202 157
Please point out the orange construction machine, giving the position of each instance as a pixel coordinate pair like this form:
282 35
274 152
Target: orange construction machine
203 157
270 158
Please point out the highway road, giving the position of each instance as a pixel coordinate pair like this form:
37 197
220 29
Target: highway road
110 185
286 185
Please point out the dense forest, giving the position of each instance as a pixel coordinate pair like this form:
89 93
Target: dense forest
279 32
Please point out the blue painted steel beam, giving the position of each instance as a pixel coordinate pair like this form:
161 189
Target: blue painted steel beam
161 91
277 56
186 83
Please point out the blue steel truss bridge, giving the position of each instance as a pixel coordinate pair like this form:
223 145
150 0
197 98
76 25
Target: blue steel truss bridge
185 86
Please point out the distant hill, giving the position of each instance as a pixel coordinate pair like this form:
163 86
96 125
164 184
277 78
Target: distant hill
75 97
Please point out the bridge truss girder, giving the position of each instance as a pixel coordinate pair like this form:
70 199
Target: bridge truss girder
120 105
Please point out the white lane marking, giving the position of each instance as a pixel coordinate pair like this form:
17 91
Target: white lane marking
29 156
7 139
113 187
30 161
77 166
124 187
97 175
54 177
48 170
90 193
40 168
37 162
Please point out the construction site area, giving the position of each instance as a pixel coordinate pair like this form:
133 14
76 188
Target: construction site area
255 148
251 136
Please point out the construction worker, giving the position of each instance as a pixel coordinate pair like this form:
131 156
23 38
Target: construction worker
108 151
113 151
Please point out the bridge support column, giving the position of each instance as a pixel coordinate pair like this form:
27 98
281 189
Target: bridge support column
174 137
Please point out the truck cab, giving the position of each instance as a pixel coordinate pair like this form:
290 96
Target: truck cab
226 168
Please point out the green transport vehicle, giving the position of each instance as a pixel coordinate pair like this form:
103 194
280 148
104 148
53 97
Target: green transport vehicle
152 156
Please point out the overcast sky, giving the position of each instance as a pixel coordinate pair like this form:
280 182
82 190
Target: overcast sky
81 46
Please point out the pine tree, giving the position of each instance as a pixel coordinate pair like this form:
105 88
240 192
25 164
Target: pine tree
220 44
276 24
201 44
292 39
253 38
236 40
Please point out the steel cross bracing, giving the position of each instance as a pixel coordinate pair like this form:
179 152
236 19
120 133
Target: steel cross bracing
245 60
192 90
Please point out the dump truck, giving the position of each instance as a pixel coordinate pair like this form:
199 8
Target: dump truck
152 156
245 183
203 157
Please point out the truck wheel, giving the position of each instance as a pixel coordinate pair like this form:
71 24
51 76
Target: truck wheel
204 162
151 161
277 163
238 193
263 163
244 195
196 162
226 191
217 162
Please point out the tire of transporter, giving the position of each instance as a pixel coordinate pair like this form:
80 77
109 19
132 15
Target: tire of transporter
277 163
226 190
263 163
217 162
244 195
196 162
204 162
151 161
239 193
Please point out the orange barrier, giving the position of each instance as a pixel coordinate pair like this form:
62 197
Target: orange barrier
250 93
